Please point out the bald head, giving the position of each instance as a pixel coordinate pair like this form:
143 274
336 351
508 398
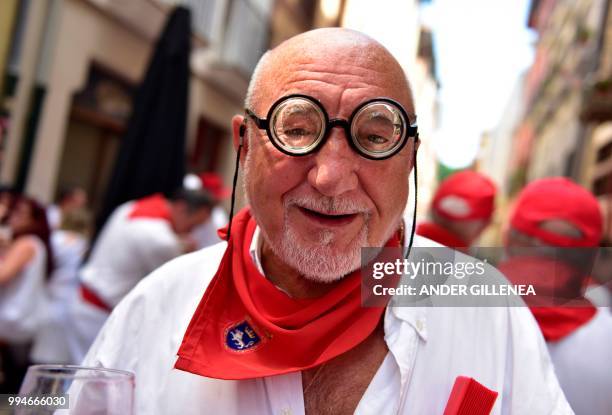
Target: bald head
342 49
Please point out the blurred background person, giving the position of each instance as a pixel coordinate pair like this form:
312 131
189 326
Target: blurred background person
139 237
7 201
205 234
69 199
461 209
24 267
557 213
69 244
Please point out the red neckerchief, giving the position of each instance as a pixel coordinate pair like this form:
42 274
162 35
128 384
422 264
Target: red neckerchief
151 207
245 327
556 322
440 235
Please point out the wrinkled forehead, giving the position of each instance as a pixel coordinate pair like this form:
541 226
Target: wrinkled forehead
340 75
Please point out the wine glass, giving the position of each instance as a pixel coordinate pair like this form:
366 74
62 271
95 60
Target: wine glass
89 390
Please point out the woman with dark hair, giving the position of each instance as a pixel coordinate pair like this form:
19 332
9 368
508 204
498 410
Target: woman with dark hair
24 266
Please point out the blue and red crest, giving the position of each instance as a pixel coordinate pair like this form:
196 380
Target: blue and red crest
241 337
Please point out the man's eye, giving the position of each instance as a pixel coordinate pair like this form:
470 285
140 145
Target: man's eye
296 132
376 139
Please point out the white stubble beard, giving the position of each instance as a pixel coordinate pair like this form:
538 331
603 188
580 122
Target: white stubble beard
319 261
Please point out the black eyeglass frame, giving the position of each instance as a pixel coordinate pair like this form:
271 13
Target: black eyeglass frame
410 131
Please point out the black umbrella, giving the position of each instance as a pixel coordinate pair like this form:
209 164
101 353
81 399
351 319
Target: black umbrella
151 156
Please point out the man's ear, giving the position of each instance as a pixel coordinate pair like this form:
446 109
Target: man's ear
417 142
239 134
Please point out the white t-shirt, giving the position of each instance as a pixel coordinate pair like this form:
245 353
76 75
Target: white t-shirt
54 216
51 340
23 300
502 348
583 364
126 251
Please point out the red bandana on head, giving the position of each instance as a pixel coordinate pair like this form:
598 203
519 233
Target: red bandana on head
465 195
561 199
556 198
245 327
151 207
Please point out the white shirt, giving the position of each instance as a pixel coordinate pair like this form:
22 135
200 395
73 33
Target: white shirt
51 340
54 216
583 365
502 348
23 299
126 251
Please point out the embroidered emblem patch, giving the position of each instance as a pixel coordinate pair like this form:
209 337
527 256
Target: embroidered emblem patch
241 337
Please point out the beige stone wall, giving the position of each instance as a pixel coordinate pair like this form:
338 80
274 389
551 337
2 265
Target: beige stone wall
8 10
86 34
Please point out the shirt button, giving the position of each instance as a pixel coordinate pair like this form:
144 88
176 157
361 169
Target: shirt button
420 325
286 411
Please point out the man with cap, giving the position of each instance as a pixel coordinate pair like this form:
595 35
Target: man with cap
271 321
206 234
138 237
554 228
461 209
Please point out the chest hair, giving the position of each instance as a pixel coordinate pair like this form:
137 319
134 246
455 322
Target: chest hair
337 386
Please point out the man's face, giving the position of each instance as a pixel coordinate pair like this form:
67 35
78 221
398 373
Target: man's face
185 220
317 211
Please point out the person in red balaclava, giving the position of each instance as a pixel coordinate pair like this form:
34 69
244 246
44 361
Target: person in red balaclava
461 209
557 213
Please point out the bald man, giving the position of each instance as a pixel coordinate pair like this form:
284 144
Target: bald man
271 321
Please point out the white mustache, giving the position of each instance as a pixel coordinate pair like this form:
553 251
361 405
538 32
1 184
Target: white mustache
327 205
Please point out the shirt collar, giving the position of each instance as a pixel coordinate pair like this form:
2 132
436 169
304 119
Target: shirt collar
255 250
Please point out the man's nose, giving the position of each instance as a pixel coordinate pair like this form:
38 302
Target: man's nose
335 168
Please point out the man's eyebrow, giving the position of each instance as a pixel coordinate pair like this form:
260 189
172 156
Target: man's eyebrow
297 109
378 115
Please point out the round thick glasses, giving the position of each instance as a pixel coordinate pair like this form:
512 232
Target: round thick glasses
298 125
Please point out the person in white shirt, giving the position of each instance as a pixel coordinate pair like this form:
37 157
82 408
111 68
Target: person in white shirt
550 243
24 266
206 234
69 244
271 321
139 236
69 199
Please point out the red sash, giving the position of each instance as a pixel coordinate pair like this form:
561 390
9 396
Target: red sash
245 327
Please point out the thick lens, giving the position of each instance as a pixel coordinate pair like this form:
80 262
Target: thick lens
297 125
378 128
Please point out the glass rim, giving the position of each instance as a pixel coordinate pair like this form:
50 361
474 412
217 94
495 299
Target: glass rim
62 372
409 129
352 122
